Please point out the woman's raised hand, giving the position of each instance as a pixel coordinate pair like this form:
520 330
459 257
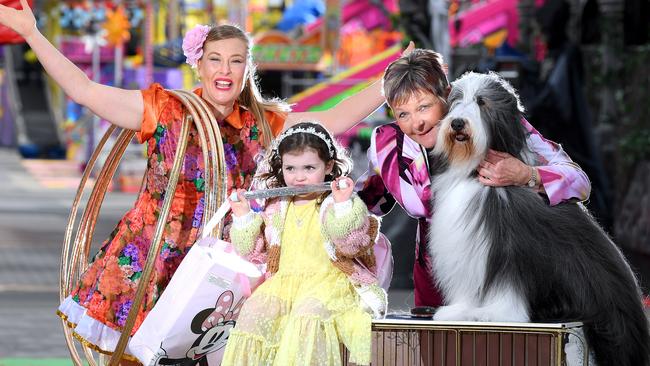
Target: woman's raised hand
122 107
408 49
21 21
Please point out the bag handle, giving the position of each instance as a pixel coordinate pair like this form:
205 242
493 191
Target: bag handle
216 219
245 283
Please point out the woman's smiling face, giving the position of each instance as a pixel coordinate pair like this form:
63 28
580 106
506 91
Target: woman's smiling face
419 116
223 69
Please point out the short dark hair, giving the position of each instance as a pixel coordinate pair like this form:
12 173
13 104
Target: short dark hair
419 71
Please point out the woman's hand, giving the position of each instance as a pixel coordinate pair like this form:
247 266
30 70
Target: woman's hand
240 207
342 188
501 169
408 49
21 21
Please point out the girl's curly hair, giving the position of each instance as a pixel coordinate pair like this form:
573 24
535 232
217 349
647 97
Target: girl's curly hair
300 141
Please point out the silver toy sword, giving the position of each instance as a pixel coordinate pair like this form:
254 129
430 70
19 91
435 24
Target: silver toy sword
287 191
265 193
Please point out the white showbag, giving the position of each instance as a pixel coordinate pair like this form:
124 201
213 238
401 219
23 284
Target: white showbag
192 319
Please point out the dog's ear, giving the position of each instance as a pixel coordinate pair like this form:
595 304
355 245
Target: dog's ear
508 136
507 133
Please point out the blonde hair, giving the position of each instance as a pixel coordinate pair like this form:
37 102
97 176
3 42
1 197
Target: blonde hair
250 97
419 71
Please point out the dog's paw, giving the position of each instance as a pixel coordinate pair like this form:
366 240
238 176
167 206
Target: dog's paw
492 314
451 312
482 315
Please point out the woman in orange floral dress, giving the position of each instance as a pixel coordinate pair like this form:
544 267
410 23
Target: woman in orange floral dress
98 307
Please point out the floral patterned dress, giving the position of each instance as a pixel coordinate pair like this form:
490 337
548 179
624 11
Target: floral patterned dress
97 309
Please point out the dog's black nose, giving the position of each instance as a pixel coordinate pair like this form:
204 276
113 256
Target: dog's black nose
457 124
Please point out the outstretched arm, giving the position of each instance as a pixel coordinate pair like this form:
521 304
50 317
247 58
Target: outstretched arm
349 111
346 113
121 107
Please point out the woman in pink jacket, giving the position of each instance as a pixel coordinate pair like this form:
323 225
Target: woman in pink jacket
416 87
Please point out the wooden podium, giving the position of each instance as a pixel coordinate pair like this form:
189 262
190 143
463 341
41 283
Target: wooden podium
405 341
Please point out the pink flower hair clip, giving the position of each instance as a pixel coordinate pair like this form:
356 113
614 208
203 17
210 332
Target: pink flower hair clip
193 44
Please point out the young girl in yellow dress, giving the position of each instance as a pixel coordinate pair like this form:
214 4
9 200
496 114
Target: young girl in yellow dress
322 290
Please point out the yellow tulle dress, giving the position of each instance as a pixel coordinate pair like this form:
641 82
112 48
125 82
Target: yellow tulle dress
302 314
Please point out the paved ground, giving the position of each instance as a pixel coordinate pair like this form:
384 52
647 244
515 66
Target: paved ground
34 210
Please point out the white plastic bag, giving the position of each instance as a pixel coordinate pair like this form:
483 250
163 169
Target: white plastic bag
192 319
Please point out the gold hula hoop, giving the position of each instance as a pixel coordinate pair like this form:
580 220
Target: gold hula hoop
74 256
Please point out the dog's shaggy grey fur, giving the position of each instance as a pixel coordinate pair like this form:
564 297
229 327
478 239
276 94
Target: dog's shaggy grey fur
505 254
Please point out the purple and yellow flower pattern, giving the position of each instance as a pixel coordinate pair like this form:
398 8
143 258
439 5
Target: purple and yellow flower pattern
108 286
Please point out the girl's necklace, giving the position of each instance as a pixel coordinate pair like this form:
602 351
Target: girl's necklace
298 220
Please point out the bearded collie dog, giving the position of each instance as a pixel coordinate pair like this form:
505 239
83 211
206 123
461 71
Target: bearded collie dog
504 254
